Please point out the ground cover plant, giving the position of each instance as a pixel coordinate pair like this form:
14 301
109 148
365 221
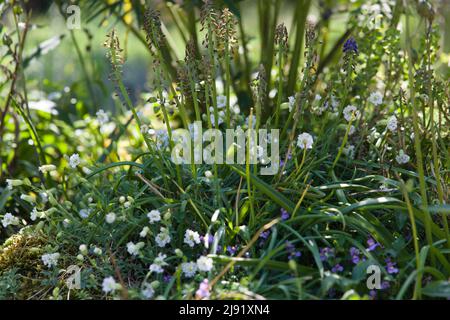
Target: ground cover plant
92 205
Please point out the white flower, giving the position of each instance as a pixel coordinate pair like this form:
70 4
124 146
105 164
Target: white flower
352 130
221 102
204 263
376 98
110 217
98 251
154 216
148 291
208 174
133 249
74 160
402 157
144 232
191 238
351 113
109 285
189 269
9 219
84 213
27 198
163 237
305 141
13 183
102 117
83 249
392 123
158 263
50 259
47 168
36 214
291 103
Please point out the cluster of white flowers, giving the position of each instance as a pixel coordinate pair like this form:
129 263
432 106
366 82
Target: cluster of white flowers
402 157
50 259
305 141
189 269
191 238
154 216
9 219
158 263
376 98
134 249
351 113
102 117
204 263
110 217
110 285
74 160
163 237
392 123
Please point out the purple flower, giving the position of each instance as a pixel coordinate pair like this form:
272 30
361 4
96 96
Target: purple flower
391 266
337 268
264 234
326 253
167 278
292 252
385 285
231 250
282 162
372 244
372 294
284 214
203 290
350 46
354 253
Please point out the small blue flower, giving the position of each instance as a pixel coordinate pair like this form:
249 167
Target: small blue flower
354 253
337 268
326 253
231 250
391 266
292 252
350 46
264 234
372 244
284 214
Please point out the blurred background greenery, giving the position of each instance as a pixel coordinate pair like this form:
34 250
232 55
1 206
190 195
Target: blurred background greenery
72 63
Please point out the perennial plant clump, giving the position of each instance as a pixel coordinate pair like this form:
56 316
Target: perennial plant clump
349 106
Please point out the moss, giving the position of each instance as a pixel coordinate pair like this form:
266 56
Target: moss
21 253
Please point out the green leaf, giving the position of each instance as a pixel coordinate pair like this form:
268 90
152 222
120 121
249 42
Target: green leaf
437 289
